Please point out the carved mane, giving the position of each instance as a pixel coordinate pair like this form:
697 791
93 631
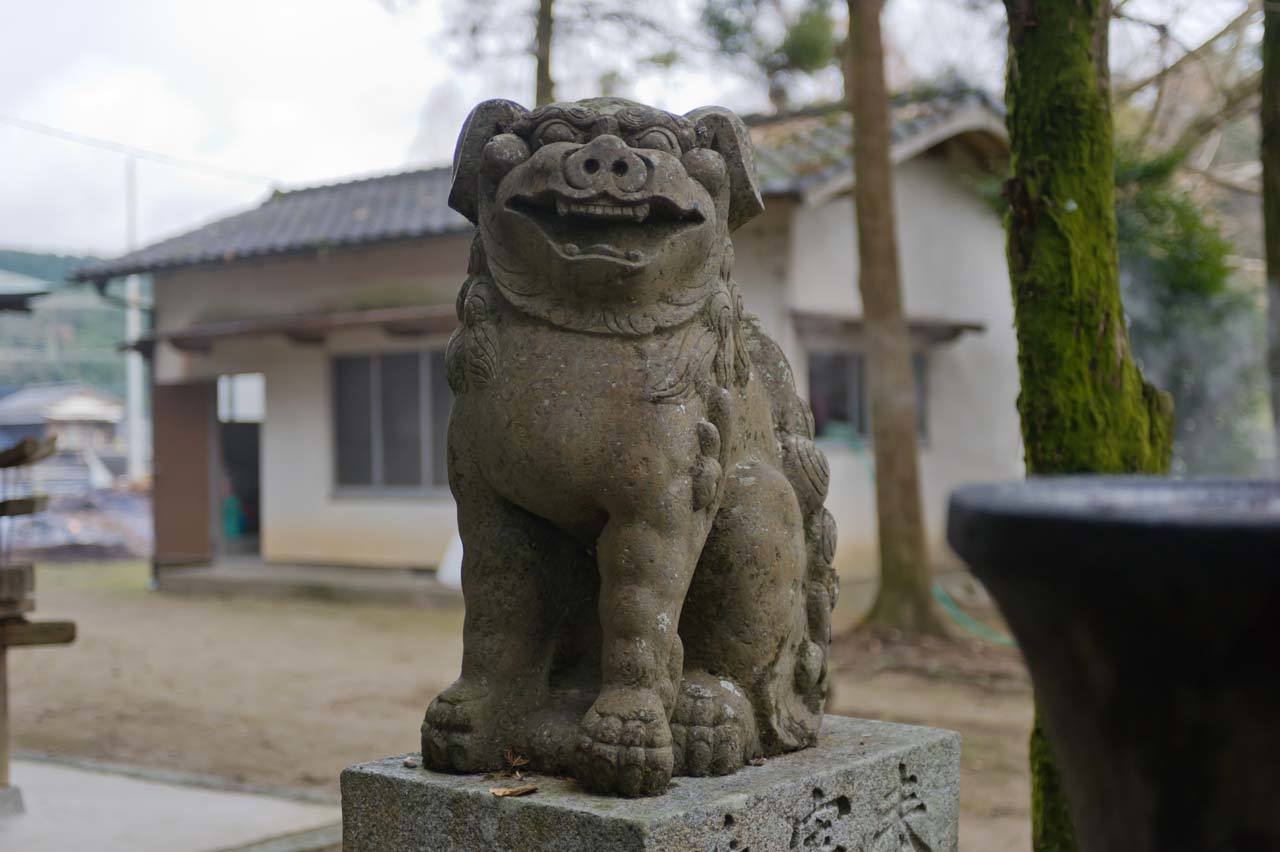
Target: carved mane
711 347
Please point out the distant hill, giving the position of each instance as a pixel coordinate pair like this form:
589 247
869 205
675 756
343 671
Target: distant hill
70 335
53 268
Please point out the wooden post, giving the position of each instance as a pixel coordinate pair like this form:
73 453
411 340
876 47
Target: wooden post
16 631
4 716
17 597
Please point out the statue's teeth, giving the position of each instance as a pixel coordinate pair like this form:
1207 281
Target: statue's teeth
638 212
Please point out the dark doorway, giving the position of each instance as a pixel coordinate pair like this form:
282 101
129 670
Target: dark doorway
242 490
240 415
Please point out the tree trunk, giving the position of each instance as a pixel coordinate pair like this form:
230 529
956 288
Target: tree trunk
1271 201
1084 405
904 599
546 92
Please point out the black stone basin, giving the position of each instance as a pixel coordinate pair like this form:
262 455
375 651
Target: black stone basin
1148 611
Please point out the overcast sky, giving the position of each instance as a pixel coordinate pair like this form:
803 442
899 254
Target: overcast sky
297 92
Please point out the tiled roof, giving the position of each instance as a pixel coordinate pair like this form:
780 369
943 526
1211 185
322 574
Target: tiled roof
17 290
376 209
37 403
17 284
799 151
793 154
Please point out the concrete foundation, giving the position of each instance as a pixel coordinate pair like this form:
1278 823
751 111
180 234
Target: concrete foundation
866 787
10 801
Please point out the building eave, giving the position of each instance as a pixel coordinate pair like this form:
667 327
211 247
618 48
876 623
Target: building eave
310 328
225 262
925 331
970 120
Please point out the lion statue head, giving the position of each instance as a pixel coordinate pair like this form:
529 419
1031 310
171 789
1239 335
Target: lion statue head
605 215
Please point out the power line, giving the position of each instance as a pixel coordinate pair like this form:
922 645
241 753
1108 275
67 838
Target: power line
129 150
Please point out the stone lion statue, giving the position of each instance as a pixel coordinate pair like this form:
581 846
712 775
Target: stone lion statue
647 566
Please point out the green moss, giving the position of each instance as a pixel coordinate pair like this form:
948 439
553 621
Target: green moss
1051 827
1084 405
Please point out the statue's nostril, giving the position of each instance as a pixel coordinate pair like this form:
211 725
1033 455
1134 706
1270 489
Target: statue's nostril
620 167
591 166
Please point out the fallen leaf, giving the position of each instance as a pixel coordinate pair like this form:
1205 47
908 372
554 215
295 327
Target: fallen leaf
522 790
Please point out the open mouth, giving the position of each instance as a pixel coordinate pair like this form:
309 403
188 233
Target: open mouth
604 227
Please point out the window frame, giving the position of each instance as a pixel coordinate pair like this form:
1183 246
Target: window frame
858 388
427 488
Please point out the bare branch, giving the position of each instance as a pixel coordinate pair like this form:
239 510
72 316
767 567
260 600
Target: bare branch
1227 182
1153 114
1194 55
1236 100
1162 29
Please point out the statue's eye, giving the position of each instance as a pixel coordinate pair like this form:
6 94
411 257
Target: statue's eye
658 139
555 130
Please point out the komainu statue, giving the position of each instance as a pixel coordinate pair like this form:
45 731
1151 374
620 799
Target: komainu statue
647 565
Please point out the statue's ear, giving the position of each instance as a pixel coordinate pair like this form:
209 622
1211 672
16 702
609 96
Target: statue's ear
486 121
722 131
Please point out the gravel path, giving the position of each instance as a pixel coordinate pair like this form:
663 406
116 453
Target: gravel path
287 693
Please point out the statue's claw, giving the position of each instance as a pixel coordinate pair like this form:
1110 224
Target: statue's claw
458 731
625 744
713 729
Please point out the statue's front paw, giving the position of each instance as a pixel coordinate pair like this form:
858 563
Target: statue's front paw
458 732
713 727
625 744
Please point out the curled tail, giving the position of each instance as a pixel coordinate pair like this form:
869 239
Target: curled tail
806 469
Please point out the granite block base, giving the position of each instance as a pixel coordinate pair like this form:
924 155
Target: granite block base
866 787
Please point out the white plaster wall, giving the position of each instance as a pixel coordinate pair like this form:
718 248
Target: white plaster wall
953 268
760 270
304 519
411 273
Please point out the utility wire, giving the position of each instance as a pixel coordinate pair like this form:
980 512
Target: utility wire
129 150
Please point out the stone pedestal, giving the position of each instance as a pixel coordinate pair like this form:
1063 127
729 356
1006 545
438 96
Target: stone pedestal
866 787
10 801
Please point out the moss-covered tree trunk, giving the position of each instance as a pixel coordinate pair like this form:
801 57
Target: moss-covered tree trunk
1085 407
1271 200
904 600
544 29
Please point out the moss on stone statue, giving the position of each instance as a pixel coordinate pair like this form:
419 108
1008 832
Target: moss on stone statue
1084 404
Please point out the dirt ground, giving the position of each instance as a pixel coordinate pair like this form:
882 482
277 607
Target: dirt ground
287 693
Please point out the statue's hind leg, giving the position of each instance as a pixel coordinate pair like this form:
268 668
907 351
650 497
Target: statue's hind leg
743 626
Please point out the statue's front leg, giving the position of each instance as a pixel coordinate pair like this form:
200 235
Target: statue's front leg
645 570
